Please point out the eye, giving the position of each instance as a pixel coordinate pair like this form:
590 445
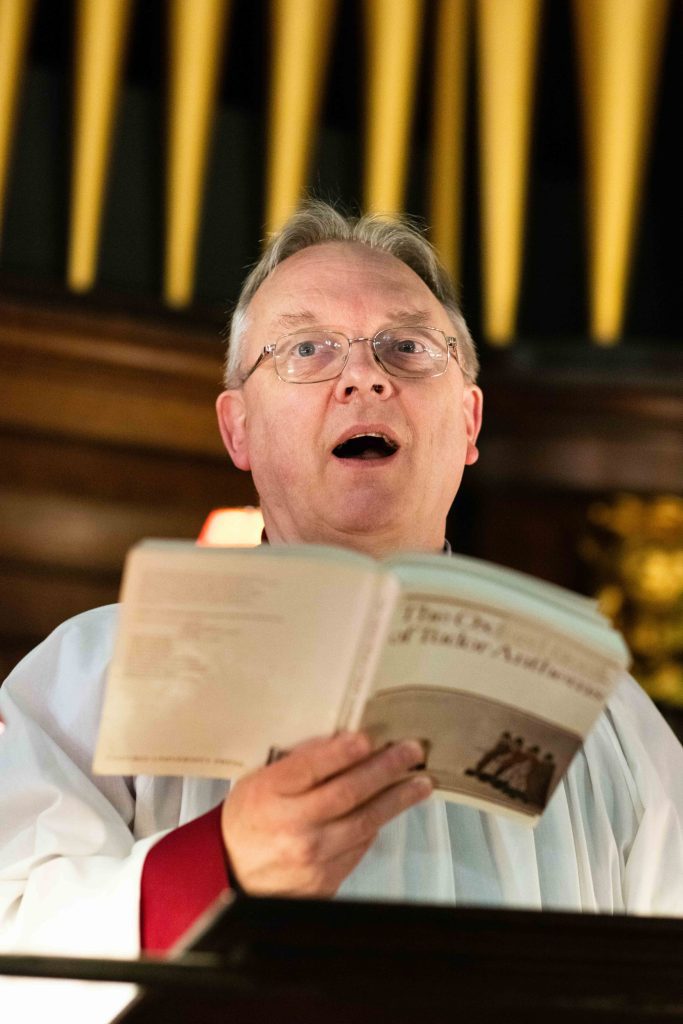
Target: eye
313 346
408 347
305 348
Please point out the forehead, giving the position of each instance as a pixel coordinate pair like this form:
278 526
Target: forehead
345 284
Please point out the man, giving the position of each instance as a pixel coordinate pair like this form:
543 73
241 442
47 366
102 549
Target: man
351 397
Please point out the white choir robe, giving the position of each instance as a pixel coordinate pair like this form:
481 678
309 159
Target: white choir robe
72 845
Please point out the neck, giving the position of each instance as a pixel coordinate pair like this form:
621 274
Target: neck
379 544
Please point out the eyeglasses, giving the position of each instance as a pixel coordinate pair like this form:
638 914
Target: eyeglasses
310 356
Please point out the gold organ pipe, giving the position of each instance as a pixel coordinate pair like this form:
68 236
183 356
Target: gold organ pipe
15 18
507 34
301 31
448 131
393 32
197 32
101 29
619 49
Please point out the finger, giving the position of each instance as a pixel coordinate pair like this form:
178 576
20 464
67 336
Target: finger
315 761
361 826
359 783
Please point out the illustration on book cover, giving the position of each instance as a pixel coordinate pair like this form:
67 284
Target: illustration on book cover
477 747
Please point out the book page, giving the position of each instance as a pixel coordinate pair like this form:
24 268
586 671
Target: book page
510 581
507 590
226 657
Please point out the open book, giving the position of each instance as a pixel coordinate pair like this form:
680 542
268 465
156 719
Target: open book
226 658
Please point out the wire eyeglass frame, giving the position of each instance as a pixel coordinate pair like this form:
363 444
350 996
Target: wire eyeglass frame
269 350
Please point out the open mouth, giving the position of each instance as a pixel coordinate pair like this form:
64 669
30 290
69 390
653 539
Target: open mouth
366 446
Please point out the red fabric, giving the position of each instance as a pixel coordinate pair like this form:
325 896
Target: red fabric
182 875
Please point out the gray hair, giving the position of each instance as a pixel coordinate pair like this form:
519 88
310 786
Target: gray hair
317 222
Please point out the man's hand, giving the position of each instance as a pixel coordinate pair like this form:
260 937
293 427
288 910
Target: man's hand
300 826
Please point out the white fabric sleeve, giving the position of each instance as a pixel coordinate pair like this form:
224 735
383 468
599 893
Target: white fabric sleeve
70 864
653 872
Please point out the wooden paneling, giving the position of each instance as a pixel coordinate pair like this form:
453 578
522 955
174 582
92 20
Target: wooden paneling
117 381
581 429
66 530
77 465
108 435
40 600
555 438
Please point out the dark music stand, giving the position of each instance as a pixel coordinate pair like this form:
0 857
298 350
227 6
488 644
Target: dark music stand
339 962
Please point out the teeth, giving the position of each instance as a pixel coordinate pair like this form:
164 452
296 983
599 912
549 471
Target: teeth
368 433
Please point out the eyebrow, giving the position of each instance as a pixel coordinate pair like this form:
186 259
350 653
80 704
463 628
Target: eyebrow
305 317
293 320
410 317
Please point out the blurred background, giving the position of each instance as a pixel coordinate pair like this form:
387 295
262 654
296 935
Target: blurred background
146 149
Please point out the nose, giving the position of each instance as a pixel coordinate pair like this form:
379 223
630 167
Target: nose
362 373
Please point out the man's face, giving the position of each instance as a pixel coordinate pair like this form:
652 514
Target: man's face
286 433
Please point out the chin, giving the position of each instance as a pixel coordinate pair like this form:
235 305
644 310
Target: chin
365 518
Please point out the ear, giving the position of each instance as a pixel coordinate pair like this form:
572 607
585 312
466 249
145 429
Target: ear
473 406
232 421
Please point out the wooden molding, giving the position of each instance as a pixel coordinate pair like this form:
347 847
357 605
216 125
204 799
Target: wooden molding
108 435
109 378
585 429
